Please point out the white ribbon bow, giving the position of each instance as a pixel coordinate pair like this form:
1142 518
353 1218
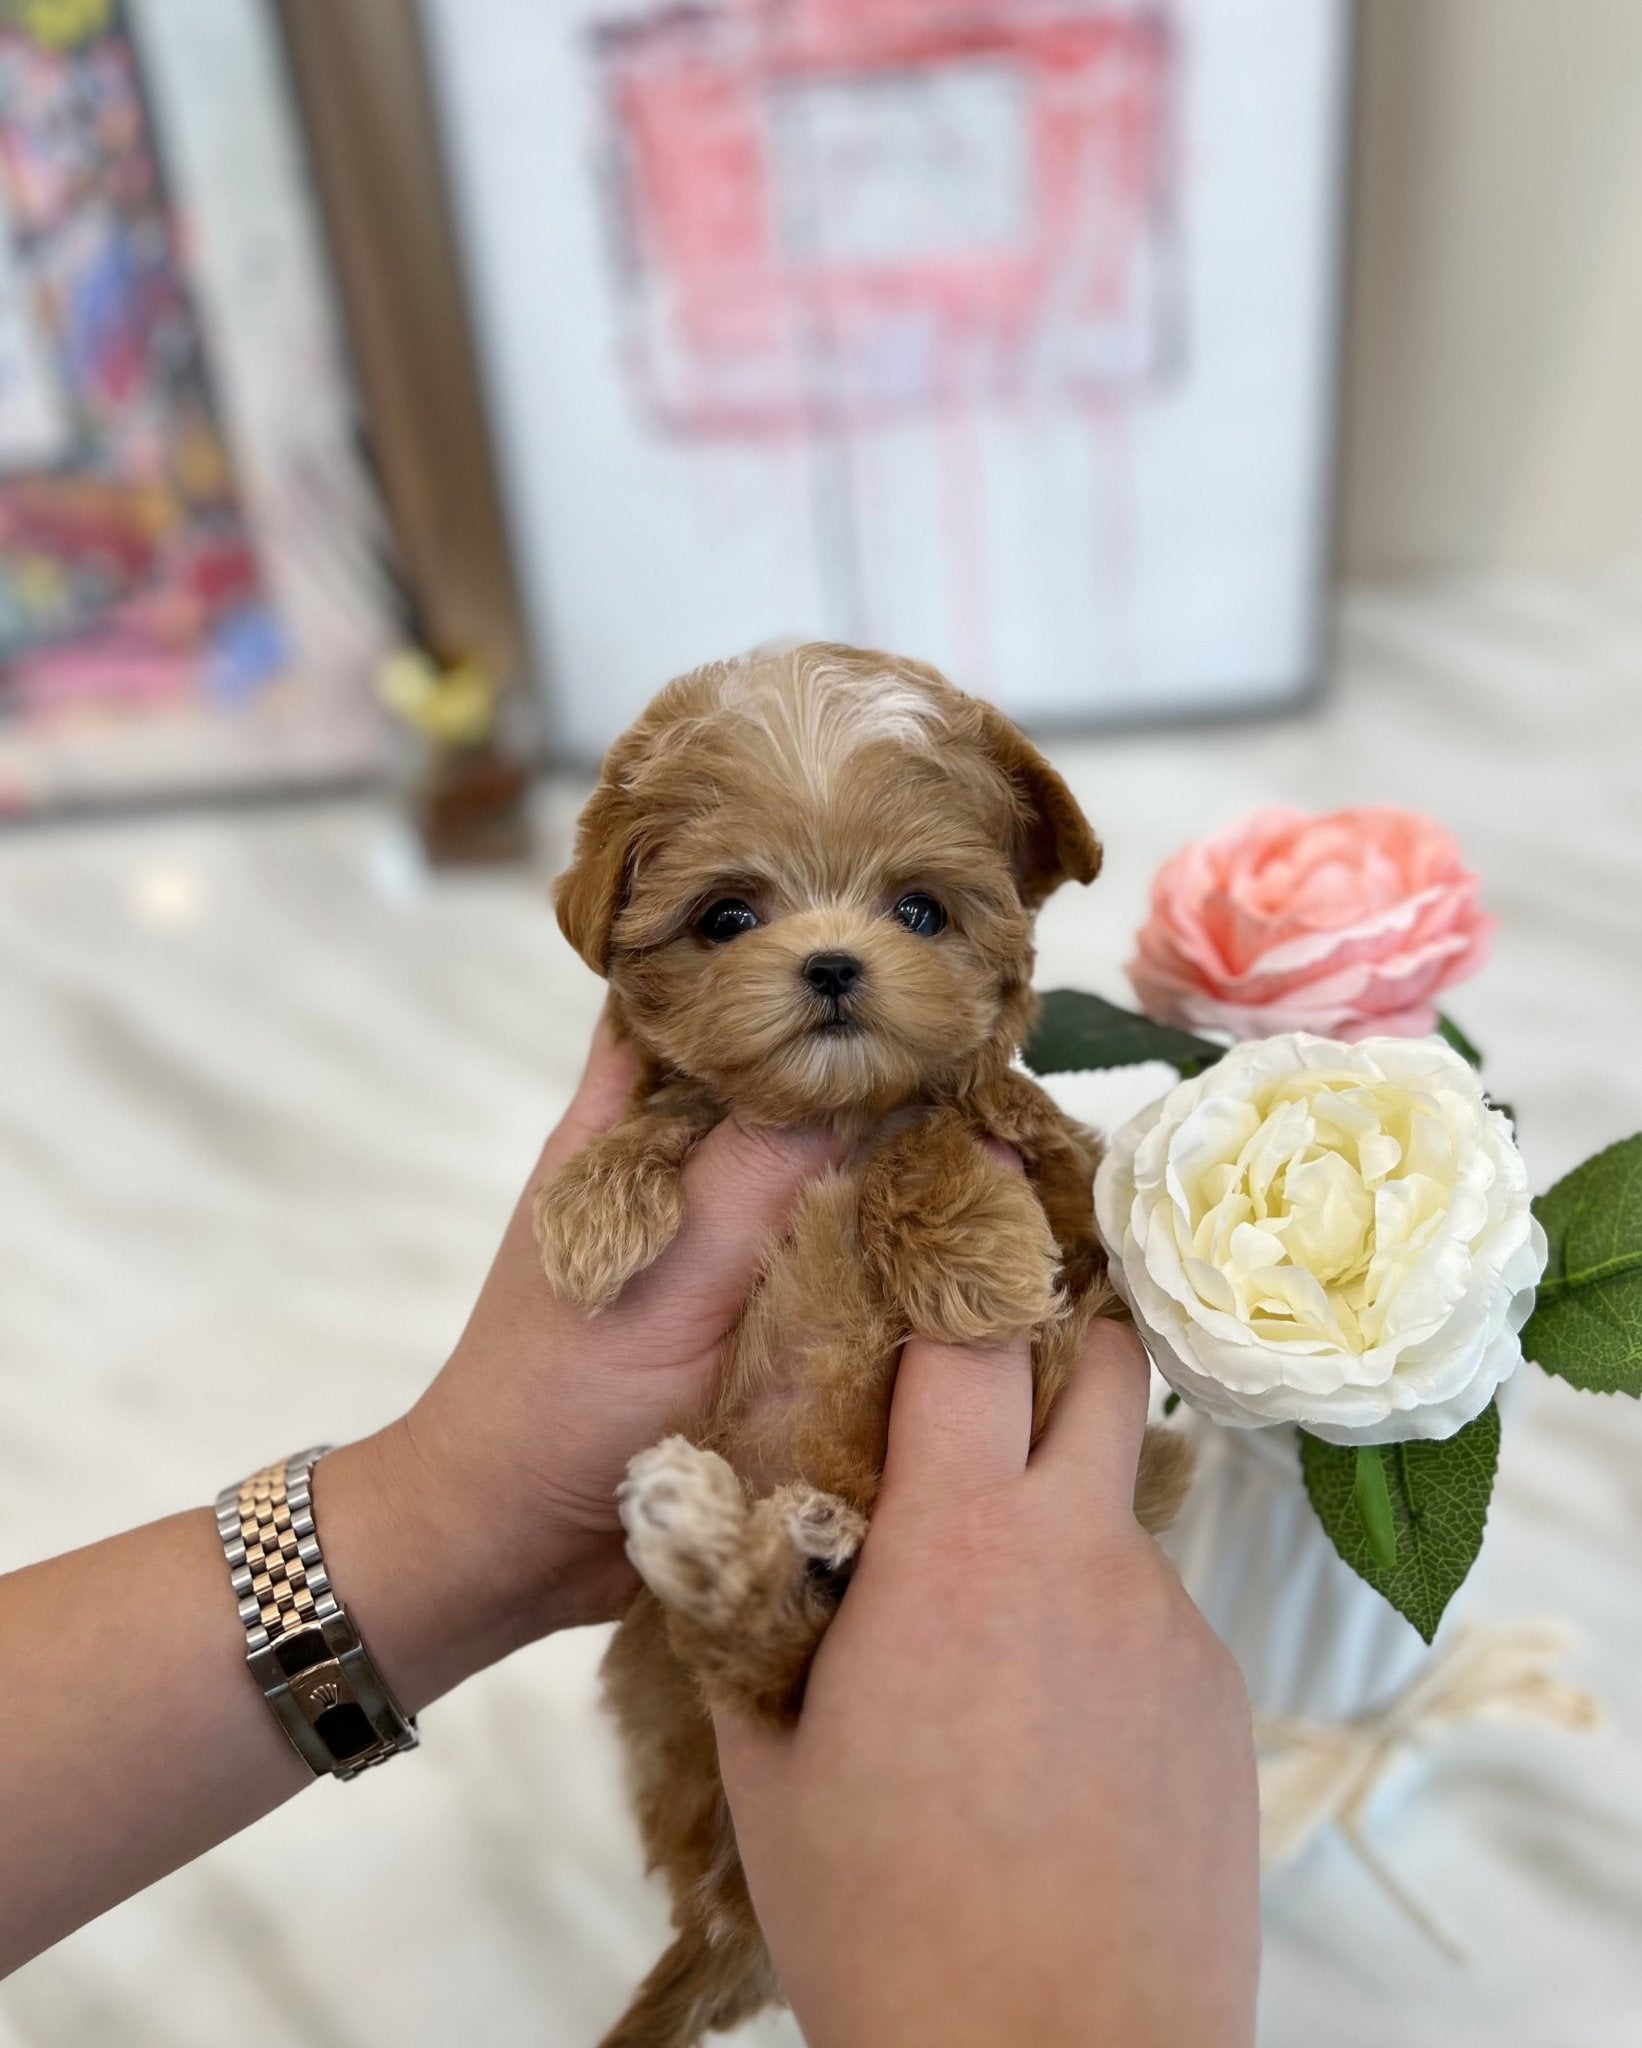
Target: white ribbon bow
1314 1774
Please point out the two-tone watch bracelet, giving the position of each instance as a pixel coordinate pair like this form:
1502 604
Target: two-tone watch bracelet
302 1649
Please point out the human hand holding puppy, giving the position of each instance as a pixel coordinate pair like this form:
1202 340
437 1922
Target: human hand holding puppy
1020 1800
503 1476
1019 1804
481 1520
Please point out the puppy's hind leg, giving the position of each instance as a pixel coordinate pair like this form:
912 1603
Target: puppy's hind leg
749 1586
717 1971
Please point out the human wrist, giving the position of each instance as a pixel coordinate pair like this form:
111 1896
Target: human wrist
435 1572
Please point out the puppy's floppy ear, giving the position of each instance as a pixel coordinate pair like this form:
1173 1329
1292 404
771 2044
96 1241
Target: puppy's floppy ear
588 895
1057 843
611 837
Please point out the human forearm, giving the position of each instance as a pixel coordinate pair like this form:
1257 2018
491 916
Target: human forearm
125 1752
134 1736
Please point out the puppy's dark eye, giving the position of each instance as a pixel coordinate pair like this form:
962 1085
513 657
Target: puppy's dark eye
920 914
726 919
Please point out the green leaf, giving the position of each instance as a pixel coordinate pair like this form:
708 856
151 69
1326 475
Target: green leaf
1374 1505
1438 1497
1587 1321
1076 1031
1447 1028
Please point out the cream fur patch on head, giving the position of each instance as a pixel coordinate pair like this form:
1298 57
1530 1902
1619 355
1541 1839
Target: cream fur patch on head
819 708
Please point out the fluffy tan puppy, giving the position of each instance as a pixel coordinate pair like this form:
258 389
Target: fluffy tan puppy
810 879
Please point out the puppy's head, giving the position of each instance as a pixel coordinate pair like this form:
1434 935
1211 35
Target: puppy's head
810 878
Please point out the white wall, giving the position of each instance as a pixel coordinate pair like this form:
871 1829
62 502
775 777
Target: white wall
1493 395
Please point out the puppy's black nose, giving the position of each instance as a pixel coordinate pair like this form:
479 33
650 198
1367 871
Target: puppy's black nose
832 974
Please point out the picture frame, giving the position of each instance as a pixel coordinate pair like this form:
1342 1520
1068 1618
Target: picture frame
1001 335
193 591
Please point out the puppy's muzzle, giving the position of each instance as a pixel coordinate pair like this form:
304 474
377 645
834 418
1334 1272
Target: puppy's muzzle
834 977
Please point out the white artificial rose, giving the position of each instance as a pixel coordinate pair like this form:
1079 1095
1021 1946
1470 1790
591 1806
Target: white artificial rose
1333 1235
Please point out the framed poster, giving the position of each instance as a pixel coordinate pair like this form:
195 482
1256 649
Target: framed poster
1001 332
190 590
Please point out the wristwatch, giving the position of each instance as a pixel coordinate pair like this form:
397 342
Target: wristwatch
302 1649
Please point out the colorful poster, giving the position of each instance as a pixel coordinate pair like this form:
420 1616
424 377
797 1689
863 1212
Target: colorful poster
36 428
127 575
157 424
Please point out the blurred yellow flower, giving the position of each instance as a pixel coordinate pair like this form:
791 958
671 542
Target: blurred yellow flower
453 707
59 24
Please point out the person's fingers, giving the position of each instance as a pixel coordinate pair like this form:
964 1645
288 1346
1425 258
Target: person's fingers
1093 1437
515 1287
960 1420
740 1187
961 1415
603 1092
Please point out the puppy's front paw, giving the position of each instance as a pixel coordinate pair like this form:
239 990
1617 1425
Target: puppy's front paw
605 1217
977 1264
686 1518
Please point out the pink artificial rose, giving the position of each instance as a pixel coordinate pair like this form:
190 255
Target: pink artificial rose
1346 926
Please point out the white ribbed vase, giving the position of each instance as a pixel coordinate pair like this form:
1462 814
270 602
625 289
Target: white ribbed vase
1311 1638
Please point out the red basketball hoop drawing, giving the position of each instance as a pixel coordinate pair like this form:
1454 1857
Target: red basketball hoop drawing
863 208
832 216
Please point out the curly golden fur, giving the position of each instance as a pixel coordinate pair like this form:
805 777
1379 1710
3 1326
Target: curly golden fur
817 790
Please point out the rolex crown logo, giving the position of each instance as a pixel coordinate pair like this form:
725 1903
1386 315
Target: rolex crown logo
325 1695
